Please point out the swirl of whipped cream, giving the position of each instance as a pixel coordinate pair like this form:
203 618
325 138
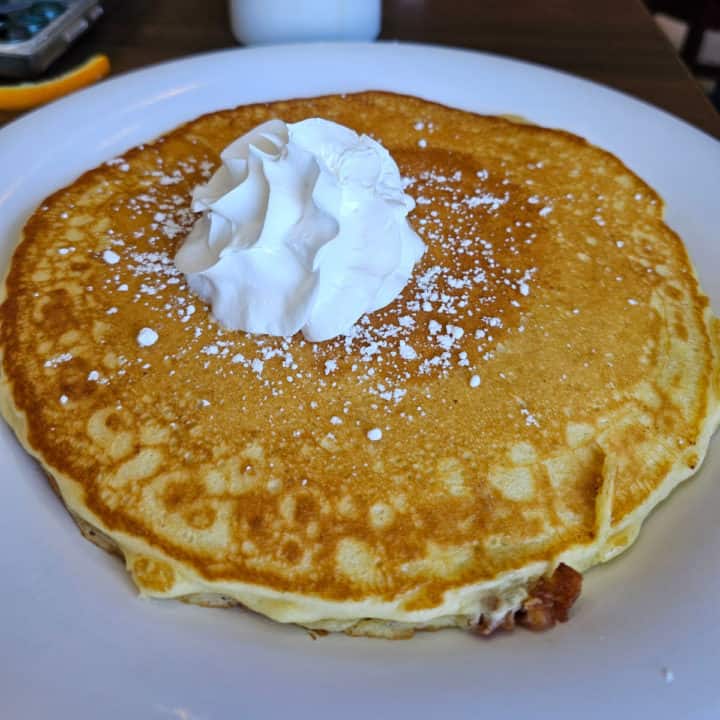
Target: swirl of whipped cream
304 227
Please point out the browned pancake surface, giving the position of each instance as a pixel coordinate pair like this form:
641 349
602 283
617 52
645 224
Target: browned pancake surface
549 276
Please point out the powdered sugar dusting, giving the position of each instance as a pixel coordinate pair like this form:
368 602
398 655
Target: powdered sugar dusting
468 293
58 360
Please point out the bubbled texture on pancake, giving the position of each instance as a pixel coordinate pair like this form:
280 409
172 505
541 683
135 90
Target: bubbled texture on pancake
231 458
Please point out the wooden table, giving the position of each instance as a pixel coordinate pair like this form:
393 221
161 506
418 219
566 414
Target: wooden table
614 42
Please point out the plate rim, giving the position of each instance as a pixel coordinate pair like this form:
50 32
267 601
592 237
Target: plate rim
391 655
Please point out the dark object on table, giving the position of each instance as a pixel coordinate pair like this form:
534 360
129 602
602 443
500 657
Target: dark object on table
34 34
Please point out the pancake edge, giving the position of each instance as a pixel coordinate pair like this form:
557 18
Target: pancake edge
487 604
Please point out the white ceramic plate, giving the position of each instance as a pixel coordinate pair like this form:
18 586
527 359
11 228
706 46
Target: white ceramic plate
75 642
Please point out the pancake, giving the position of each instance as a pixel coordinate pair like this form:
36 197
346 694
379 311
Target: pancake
549 374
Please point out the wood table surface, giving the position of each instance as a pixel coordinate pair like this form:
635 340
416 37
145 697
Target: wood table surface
615 42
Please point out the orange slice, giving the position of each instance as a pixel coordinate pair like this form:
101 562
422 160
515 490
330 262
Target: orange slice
29 95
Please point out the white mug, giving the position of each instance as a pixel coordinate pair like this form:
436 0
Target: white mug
261 22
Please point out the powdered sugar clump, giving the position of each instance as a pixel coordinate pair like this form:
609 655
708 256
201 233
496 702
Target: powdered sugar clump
147 337
374 435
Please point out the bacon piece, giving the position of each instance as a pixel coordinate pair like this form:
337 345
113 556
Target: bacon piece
549 602
551 599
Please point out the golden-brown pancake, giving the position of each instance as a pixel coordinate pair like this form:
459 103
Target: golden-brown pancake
549 374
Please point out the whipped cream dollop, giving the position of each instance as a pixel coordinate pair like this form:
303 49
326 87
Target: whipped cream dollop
304 227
